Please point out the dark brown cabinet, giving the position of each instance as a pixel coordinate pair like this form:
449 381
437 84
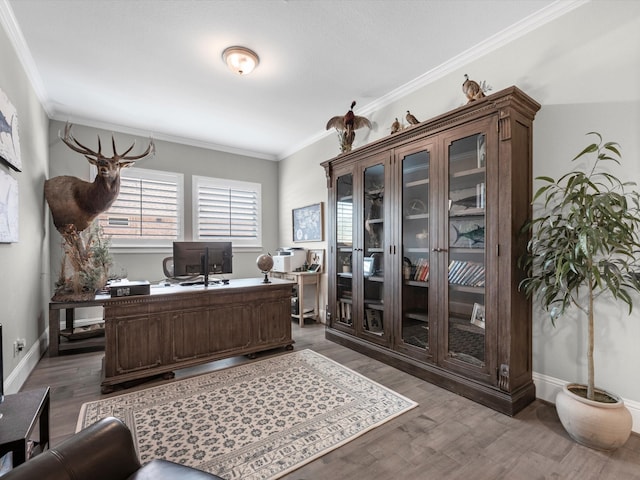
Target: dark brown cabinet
423 247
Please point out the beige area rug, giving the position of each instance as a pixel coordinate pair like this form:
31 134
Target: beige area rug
255 421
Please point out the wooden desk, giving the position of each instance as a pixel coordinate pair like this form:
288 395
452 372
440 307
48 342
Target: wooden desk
177 327
302 279
21 413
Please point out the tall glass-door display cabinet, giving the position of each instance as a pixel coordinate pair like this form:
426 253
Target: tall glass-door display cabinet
358 267
424 246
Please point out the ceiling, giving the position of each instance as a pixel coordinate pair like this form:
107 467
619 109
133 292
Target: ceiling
154 67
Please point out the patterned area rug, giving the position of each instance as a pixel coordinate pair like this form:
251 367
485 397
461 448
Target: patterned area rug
255 421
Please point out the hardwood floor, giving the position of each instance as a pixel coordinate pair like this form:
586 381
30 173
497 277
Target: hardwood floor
446 436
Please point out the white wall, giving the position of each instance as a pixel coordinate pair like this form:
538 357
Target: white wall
584 68
24 282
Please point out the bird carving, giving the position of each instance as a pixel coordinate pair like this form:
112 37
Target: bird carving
471 89
411 119
395 126
346 125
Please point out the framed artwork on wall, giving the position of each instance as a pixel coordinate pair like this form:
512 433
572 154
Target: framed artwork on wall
9 135
308 224
8 208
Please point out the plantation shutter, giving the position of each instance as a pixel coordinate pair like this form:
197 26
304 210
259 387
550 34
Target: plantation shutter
227 209
149 207
344 223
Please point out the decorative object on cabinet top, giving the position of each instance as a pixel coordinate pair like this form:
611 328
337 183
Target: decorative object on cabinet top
346 125
474 90
411 118
395 126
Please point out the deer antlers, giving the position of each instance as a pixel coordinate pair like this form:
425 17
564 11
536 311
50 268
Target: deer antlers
93 156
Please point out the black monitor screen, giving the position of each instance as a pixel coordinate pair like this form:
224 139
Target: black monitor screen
189 258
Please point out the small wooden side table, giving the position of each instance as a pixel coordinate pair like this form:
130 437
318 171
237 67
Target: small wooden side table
302 279
21 413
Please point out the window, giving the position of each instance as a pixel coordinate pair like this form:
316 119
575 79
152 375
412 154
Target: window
227 210
148 210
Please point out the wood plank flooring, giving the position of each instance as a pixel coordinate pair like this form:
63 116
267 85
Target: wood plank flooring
446 437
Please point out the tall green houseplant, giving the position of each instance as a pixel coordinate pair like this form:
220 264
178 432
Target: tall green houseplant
585 241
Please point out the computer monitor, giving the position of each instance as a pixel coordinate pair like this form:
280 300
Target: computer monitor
189 258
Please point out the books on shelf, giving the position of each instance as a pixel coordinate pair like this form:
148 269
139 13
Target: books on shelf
345 312
421 270
467 273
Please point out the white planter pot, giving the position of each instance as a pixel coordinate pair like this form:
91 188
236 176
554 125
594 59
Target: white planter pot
598 425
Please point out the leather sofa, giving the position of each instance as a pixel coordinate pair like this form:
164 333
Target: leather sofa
102 451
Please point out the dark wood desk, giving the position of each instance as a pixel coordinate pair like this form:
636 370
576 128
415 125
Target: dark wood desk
176 327
21 413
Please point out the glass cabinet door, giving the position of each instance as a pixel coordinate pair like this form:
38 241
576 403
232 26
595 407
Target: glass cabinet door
344 249
414 329
466 263
372 270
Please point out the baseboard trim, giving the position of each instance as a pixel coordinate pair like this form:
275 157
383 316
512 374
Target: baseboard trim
548 387
14 382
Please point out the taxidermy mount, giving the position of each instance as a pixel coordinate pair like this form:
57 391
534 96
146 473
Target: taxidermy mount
75 203
346 125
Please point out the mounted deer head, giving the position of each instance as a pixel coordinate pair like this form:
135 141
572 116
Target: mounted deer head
75 202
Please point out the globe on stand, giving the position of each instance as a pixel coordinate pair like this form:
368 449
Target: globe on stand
265 264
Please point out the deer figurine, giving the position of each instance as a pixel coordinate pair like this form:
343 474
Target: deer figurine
75 203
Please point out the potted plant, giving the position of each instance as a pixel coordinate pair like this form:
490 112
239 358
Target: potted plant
583 246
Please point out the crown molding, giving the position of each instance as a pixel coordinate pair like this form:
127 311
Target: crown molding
11 27
513 32
140 132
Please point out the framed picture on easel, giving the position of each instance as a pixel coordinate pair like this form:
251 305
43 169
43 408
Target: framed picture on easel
308 224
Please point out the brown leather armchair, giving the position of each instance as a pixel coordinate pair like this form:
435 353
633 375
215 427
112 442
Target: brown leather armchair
102 451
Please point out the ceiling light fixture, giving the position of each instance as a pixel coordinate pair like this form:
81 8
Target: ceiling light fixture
240 60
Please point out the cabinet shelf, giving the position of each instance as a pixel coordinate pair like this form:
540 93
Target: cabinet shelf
417 216
417 183
374 304
415 283
375 278
420 316
468 212
416 250
466 288
480 171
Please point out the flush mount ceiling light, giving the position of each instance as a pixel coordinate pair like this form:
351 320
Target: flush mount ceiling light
240 60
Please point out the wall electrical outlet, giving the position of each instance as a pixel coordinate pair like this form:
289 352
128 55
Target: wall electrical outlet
18 346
